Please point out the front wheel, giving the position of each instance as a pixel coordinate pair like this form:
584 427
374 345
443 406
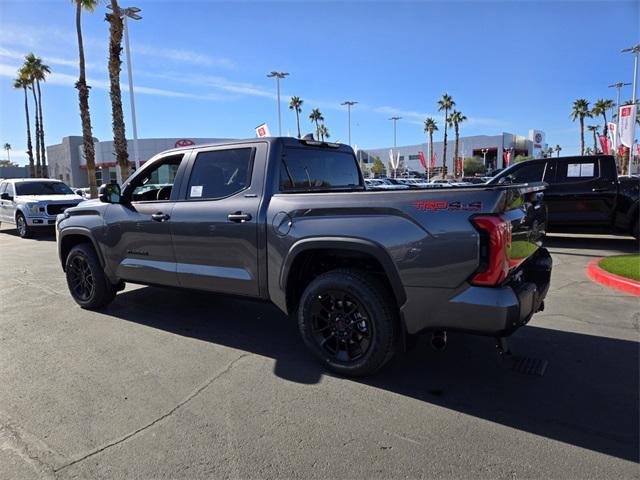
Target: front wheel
87 283
22 227
348 320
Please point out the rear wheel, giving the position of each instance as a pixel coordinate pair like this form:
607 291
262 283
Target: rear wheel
87 283
635 231
348 320
21 226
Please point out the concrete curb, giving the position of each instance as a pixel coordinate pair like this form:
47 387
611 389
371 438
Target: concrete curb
598 275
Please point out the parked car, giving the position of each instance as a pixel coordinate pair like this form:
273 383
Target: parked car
32 203
383 184
585 194
290 221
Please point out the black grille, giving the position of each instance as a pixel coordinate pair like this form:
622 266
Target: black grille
56 208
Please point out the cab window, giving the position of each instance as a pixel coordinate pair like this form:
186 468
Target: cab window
220 173
529 173
577 170
156 183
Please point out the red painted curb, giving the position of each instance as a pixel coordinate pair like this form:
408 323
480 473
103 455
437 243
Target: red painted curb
597 274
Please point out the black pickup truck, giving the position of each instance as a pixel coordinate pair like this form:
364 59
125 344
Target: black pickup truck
290 221
584 194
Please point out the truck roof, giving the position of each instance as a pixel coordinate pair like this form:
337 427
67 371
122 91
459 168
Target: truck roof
286 141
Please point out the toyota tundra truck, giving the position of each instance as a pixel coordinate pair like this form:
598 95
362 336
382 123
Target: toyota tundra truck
290 221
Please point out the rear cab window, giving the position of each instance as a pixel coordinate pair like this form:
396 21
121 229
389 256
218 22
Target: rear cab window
572 170
318 169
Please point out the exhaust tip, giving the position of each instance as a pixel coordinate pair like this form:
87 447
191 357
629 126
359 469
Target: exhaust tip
439 340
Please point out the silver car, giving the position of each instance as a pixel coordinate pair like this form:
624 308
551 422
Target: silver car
32 203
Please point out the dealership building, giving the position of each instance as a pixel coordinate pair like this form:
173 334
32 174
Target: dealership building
67 163
496 150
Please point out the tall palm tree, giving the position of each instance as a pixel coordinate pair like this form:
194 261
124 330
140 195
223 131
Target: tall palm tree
7 147
115 48
600 107
558 149
83 96
316 116
550 152
445 104
579 111
455 119
38 72
430 126
323 131
296 104
594 130
32 86
22 81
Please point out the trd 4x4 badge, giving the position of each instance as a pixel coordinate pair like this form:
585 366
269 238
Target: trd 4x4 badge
434 206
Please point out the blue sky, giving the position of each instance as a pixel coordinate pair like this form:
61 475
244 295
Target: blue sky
200 67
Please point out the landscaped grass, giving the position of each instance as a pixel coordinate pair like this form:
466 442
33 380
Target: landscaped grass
627 266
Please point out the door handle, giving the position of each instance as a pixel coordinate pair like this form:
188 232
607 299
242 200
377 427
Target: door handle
239 217
160 217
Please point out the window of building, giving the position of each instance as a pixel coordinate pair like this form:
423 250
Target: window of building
414 157
220 173
309 169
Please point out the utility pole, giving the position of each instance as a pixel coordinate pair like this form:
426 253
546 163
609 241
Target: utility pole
278 76
618 86
395 123
636 51
349 104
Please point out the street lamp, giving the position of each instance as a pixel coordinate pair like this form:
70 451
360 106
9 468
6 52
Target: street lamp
132 13
278 76
618 86
635 50
395 123
349 104
484 156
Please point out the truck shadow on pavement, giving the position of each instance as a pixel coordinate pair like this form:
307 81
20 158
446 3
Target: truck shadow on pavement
588 397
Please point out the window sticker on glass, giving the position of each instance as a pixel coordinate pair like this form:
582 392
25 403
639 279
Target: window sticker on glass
573 170
196 191
586 170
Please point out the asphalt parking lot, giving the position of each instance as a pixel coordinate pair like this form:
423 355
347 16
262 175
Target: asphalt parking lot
175 384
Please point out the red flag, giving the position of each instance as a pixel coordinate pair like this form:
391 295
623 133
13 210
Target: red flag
458 166
621 150
506 157
434 159
422 160
638 148
605 144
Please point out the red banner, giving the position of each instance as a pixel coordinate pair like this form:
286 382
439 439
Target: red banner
506 157
458 167
638 148
605 144
621 150
434 159
422 160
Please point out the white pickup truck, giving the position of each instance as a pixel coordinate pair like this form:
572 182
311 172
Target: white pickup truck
31 203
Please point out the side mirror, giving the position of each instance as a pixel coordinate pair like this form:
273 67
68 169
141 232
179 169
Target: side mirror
110 193
5 196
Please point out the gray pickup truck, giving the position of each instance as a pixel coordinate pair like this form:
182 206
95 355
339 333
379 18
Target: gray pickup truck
290 221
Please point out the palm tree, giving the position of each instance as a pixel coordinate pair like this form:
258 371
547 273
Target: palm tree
600 108
316 116
550 152
589 151
115 47
430 126
594 130
455 119
296 104
579 111
83 96
445 104
557 149
27 73
23 82
38 72
7 147
323 131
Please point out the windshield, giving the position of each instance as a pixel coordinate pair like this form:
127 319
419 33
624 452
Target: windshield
42 188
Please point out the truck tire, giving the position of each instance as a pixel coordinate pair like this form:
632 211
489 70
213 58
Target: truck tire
22 227
348 320
635 230
88 285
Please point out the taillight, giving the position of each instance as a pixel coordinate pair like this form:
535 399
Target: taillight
495 244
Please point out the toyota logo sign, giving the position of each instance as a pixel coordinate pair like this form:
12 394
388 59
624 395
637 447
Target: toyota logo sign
184 143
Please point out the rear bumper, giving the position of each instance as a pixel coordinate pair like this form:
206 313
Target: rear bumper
495 311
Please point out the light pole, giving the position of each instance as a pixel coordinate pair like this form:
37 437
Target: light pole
125 13
278 76
349 104
618 86
636 51
484 156
395 123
